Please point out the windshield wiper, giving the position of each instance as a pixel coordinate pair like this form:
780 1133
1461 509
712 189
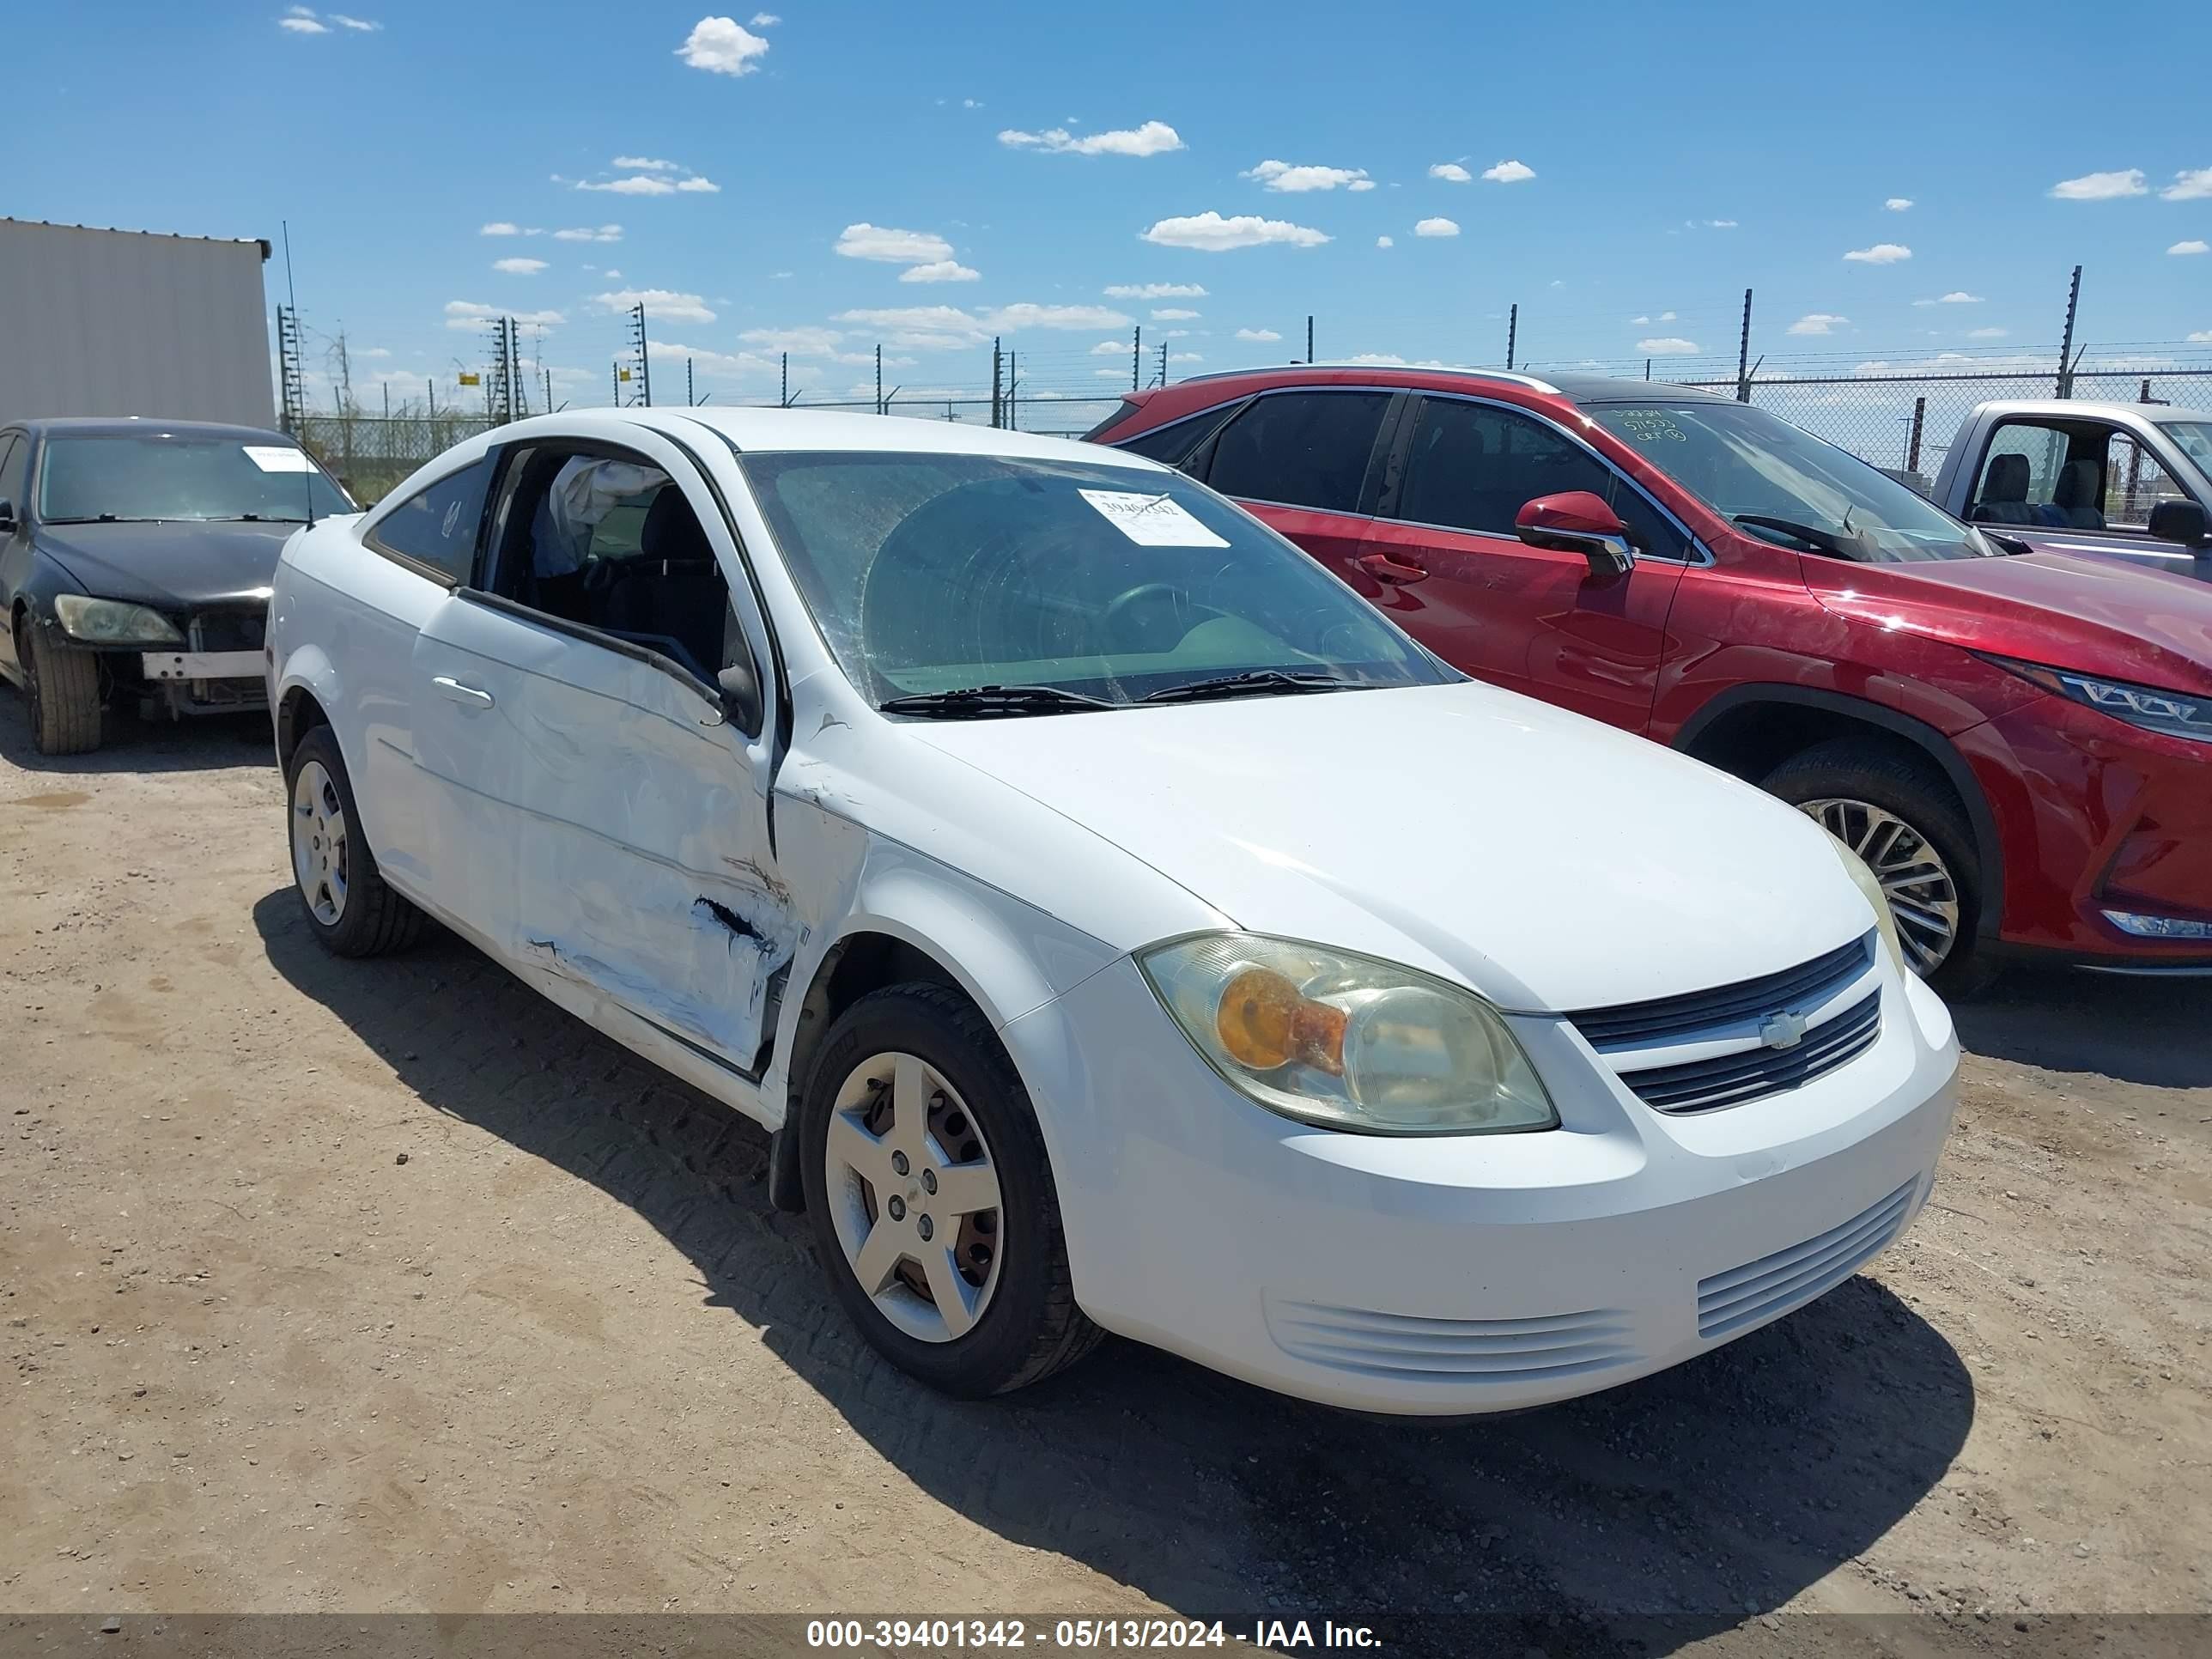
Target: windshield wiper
252 518
1253 683
987 701
112 518
1821 541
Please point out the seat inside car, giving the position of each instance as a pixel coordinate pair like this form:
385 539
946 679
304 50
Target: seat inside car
673 590
2004 492
2081 486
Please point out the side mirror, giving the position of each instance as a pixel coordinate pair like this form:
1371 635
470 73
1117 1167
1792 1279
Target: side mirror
740 685
1576 521
7 514
2170 521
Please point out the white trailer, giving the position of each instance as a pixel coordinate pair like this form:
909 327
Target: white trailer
121 322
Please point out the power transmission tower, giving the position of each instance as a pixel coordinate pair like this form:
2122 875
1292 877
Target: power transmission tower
638 351
1164 364
292 381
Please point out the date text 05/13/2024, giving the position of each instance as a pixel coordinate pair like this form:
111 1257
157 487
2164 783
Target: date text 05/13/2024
929 1635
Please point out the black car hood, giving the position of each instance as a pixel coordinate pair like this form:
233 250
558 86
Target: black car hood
170 566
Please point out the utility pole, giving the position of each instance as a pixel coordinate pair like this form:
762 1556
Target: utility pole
879 380
1512 332
998 384
784 396
689 400
618 376
548 391
1136 357
1743 355
1164 364
1013 384
1912 443
1309 356
2066 345
291 381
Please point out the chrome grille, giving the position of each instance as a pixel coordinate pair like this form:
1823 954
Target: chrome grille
1669 1019
1731 1080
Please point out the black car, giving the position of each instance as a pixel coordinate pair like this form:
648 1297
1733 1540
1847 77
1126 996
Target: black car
135 562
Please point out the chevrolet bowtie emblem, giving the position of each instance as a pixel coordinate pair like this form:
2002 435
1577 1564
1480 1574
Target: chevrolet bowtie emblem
1784 1030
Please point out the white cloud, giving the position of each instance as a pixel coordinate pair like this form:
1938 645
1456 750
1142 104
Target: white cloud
892 246
646 164
610 273
589 234
1185 357
2201 336
1663 317
971 103
501 227
1987 333
940 270
374 351
1112 348
1173 314
1212 233
2189 184
1009 318
518 267
803 342
360 25
1509 173
1881 253
1107 373
1898 203
765 20
301 21
1153 138
1155 291
2101 186
1436 227
1707 224
696 186
722 47
1262 335
467 313
660 302
644 184
945 328
1667 345
1377 359
1957 296
1451 171
1282 176
1816 322
2197 247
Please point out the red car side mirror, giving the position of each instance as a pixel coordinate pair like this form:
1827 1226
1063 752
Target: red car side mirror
1576 521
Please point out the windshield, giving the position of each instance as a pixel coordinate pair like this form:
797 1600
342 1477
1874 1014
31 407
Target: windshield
157 476
929 574
1748 466
2195 438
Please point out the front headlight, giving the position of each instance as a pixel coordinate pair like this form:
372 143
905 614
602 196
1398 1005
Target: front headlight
2174 713
1347 1042
111 622
1885 919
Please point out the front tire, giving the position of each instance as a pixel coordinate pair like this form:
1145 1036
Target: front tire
932 1199
1897 812
347 903
62 685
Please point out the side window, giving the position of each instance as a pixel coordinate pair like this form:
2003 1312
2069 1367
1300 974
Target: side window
1174 442
1301 448
609 541
1473 466
15 472
436 527
2042 475
2135 482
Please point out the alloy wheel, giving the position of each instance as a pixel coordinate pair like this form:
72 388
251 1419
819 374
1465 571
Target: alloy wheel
318 843
914 1196
1923 898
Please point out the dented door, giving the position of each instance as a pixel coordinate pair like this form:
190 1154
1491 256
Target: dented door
601 820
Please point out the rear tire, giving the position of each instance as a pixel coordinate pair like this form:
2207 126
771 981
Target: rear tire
1018 1322
345 898
61 686
1837 782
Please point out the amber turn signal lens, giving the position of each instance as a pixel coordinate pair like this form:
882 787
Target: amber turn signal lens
1265 1021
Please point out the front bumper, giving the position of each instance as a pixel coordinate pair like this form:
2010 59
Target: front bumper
1465 1274
2097 815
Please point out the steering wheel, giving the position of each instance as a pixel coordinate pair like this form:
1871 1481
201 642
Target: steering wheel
1136 609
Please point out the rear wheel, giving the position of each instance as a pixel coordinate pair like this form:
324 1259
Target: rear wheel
351 910
61 686
1899 814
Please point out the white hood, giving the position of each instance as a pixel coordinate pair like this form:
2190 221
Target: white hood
1548 862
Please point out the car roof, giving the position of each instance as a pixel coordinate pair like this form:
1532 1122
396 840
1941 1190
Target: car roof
131 426
1575 387
755 430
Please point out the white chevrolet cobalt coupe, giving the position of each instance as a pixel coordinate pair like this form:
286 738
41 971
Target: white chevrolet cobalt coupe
1120 925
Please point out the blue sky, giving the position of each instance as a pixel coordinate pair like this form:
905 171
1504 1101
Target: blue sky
1034 172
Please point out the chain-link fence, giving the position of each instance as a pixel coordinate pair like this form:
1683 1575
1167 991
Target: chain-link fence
1904 423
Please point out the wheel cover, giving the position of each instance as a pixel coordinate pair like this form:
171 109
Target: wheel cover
1923 897
914 1196
320 842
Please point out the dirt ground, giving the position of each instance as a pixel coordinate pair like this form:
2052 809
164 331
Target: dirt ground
384 1286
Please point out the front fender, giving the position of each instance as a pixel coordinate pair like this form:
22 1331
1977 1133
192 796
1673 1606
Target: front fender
307 669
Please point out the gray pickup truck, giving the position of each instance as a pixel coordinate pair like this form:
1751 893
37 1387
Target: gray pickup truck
2129 481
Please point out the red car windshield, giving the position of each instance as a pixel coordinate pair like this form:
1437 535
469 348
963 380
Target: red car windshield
1781 484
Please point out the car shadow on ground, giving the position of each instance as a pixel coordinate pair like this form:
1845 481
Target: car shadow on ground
2126 1026
1705 1495
128 743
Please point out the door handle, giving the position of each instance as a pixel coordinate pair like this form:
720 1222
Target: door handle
468 697
1384 569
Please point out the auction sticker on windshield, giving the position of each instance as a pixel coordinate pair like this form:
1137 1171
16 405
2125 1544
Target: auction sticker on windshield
278 458
1151 520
